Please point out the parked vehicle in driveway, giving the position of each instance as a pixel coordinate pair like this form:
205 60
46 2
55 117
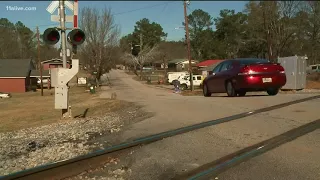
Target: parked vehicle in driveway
5 95
175 75
313 68
185 81
44 81
239 76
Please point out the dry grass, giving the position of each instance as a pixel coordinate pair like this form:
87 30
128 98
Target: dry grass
31 109
81 73
313 84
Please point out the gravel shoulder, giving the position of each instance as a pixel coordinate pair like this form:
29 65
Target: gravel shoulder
65 139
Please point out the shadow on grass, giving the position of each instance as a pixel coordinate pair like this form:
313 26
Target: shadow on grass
83 115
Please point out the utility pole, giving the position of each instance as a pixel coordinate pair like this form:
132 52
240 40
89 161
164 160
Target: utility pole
266 27
141 43
63 47
188 43
39 61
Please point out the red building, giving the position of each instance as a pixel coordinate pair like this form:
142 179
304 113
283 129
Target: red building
15 75
208 63
206 67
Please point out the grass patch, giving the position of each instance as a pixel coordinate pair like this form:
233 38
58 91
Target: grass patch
196 92
30 109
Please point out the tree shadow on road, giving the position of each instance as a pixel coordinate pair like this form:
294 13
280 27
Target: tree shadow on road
254 95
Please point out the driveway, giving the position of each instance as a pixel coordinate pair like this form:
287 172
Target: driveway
298 159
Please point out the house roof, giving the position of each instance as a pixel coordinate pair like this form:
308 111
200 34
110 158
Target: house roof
176 61
207 63
36 73
53 61
209 68
15 67
187 61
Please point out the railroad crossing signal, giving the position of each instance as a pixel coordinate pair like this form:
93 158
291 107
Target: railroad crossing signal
135 50
51 36
76 37
72 6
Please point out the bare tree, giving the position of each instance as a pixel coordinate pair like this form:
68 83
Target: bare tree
146 55
102 37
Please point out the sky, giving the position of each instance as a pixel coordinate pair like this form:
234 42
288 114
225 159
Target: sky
169 14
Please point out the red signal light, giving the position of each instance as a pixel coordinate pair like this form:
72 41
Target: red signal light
51 36
76 37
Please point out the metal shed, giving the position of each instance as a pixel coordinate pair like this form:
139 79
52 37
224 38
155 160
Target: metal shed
295 69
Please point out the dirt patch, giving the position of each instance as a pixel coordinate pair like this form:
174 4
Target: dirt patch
313 77
313 84
30 109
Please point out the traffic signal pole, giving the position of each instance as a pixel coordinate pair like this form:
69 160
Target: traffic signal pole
64 50
188 43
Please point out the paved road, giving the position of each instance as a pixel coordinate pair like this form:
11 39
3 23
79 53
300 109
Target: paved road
162 160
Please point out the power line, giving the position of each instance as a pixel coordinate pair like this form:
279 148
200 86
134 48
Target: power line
120 13
146 7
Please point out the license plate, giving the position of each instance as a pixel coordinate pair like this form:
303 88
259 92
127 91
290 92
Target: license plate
266 80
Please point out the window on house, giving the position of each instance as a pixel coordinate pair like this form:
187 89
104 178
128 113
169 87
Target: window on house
198 77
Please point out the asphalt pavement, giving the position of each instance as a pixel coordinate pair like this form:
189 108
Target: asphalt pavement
299 159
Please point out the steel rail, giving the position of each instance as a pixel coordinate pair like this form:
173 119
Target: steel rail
44 170
216 167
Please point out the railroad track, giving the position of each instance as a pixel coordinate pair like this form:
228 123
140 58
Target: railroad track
74 166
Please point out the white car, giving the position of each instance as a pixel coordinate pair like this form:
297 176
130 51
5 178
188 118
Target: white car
4 95
44 81
175 75
185 81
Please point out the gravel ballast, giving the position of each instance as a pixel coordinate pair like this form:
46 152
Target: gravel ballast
28 148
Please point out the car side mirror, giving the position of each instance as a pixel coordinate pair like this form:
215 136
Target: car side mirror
213 74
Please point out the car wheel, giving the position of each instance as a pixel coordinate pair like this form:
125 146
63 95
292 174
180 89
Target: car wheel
273 92
206 91
242 93
230 89
183 87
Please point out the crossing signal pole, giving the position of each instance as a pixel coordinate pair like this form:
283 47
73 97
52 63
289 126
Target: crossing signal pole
61 76
188 42
39 61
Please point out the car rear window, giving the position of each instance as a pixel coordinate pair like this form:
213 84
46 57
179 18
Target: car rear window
244 62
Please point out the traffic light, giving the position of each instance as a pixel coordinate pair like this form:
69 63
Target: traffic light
76 37
135 50
51 36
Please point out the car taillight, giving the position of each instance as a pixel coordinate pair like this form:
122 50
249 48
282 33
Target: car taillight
245 71
281 70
